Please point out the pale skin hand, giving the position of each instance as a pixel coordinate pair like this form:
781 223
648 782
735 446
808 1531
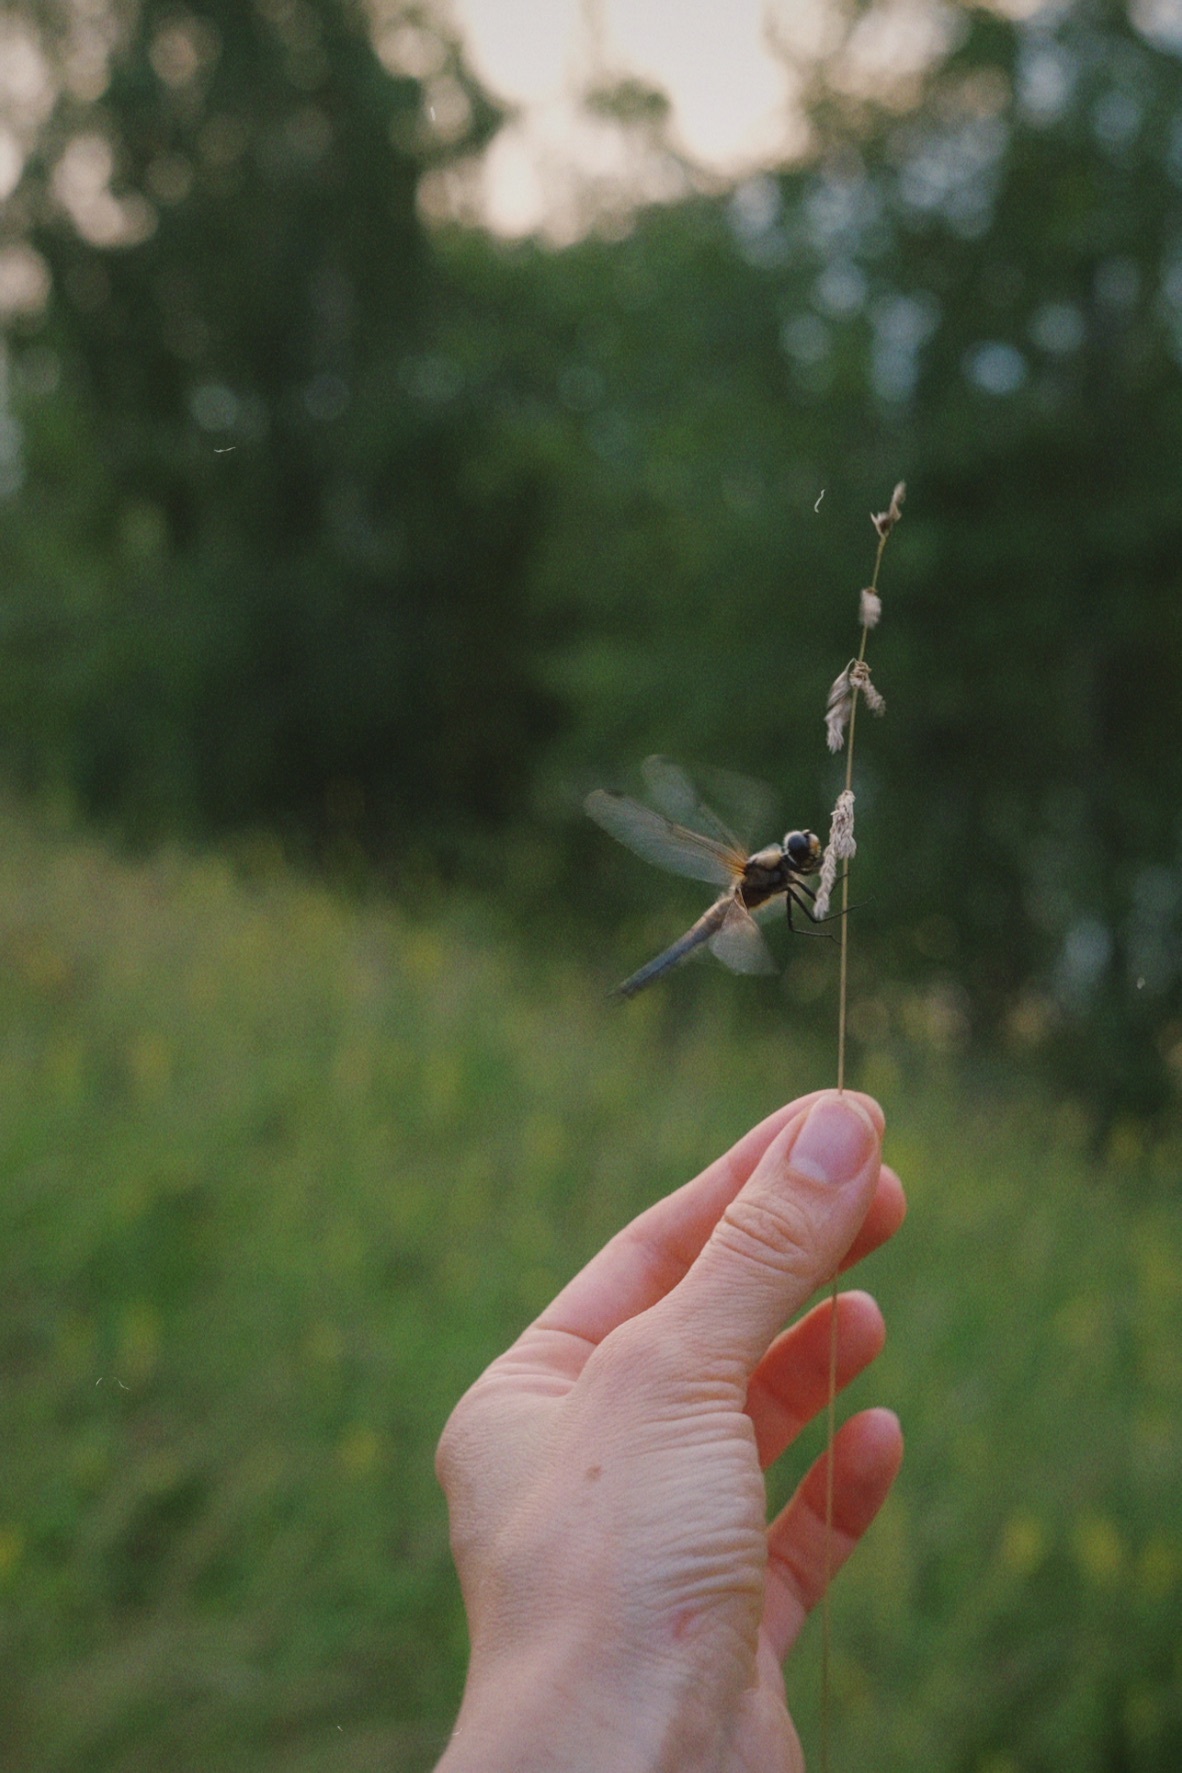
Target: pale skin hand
628 1604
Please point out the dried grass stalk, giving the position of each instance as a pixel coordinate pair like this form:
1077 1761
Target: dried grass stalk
840 715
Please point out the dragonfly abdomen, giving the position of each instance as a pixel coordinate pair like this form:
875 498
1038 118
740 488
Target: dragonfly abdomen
707 925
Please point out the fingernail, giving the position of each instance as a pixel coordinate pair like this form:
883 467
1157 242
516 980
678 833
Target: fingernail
834 1143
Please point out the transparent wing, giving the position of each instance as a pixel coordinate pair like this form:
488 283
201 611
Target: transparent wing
749 806
739 944
667 845
674 792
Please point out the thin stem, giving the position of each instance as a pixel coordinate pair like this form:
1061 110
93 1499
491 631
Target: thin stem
831 1401
826 1616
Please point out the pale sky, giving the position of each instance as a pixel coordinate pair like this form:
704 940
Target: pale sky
730 95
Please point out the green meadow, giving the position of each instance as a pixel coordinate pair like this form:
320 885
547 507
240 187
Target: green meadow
281 1172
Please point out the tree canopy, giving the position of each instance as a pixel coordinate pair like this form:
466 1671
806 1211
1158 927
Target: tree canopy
328 515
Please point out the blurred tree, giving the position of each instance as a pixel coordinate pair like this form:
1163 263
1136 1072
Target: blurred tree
292 584
330 512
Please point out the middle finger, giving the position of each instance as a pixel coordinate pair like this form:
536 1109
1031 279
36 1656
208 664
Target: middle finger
791 1383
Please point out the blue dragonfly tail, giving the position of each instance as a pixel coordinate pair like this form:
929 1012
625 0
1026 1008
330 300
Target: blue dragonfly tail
707 925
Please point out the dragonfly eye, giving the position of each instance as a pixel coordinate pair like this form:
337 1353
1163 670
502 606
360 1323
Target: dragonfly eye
802 849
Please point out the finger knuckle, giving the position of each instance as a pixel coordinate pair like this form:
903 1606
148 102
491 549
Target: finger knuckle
635 1358
774 1232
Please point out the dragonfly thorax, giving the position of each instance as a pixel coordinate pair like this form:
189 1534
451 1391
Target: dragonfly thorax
766 873
767 861
773 869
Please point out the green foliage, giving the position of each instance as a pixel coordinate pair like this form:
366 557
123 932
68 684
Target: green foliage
282 1176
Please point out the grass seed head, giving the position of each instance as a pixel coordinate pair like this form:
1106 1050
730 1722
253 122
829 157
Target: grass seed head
859 676
840 848
837 708
885 521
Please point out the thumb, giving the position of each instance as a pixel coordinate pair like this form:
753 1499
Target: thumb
781 1236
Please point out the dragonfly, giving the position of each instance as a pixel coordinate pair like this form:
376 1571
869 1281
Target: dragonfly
691 840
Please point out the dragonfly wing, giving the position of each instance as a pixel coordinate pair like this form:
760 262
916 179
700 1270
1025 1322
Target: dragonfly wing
670 788
674 792
748 805
658 840
739 945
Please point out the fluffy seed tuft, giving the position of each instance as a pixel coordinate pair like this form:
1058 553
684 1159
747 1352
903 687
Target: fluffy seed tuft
886 520
871 608
837 708
854 679
840 848
860 680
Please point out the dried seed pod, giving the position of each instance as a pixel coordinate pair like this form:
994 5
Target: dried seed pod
860 680
854 679
885 521
840 848
837 709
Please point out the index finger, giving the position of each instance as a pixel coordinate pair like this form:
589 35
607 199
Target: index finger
647 1259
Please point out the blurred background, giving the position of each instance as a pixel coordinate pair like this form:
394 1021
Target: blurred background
411 416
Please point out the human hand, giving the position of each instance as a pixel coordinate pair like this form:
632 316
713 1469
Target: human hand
629 1607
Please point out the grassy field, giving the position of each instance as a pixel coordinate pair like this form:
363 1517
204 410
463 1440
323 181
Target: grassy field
281 1174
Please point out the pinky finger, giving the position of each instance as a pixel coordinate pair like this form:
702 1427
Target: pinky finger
867 1454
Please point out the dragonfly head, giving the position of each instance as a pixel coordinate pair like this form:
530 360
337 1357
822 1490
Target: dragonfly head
803 850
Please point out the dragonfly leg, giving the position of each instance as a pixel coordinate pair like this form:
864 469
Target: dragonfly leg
790 898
